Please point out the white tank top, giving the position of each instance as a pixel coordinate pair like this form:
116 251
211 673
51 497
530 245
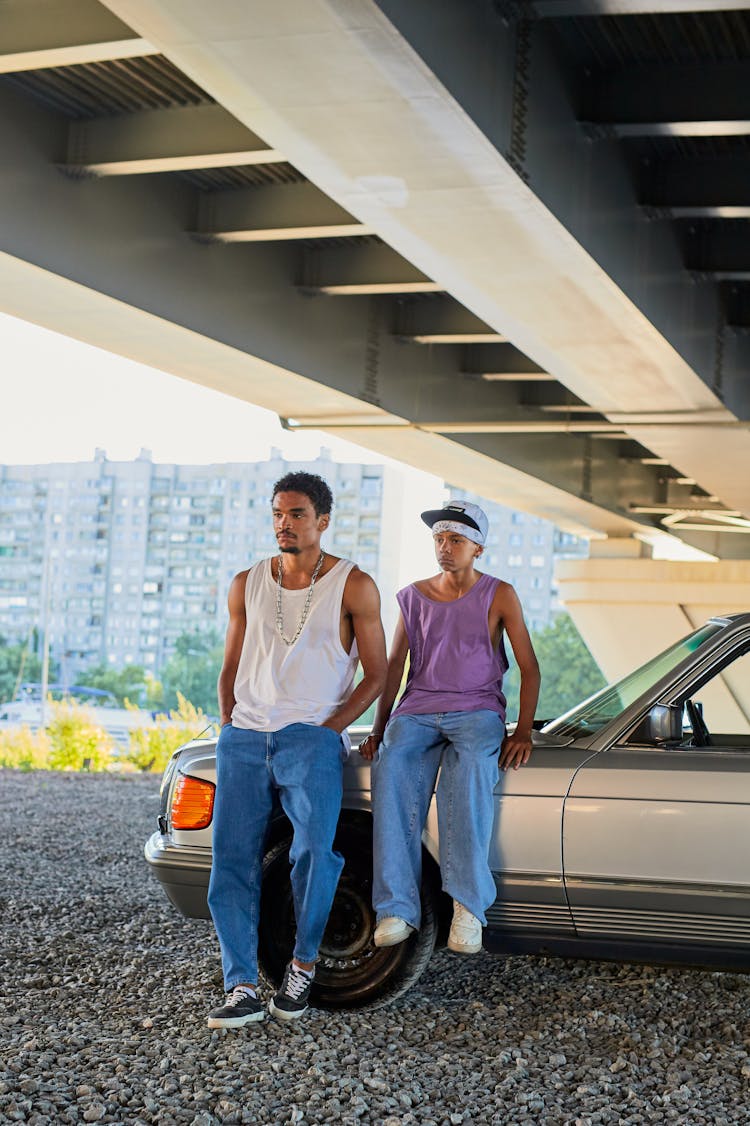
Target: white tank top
278 684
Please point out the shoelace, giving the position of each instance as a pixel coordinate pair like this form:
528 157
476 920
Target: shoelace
238 995
296 984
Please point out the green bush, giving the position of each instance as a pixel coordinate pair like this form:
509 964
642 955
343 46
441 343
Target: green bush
151 748
23 749
76 740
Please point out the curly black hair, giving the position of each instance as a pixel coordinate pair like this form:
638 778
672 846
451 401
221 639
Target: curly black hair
314 488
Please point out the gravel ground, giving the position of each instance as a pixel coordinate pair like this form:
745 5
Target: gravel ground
105 991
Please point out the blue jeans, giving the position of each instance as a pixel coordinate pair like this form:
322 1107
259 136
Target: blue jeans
403 781
304 763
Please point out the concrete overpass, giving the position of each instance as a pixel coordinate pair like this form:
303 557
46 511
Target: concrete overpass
503 240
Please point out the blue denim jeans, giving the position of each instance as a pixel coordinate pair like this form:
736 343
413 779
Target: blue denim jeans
465 746
304 763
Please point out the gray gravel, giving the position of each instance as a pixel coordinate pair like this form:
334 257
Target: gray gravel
105 991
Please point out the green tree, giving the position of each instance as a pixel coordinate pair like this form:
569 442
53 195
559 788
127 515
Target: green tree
193 669
128 683
569 672
154 700
17 664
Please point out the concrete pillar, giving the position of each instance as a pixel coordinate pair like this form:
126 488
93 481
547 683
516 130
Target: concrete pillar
628 608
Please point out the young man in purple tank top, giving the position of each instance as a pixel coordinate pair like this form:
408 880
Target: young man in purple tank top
451 715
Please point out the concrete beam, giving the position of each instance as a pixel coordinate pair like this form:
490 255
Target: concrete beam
712 187
700 127
666 127
163 140
274 213
503 363
361 269
441 320
492 189
532 426
50 33
108 261
717 247
689 100
517 377
561 9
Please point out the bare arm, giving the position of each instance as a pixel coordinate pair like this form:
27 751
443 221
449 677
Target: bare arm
396 662
517 747
232 646
362 603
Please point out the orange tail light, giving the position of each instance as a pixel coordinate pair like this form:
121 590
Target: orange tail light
192 803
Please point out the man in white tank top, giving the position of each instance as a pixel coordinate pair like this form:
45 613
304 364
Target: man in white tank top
298 626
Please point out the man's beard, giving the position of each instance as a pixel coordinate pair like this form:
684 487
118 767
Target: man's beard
290 549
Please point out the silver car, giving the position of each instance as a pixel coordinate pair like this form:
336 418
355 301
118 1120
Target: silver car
626 836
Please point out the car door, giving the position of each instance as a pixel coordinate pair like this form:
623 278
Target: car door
525 851
656 840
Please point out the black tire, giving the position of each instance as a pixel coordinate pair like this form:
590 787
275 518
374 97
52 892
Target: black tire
351 972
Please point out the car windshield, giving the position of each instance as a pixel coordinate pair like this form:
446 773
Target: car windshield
600 709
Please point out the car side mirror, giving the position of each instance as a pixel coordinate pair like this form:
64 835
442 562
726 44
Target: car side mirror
662 724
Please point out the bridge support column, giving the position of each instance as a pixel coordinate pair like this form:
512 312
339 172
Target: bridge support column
628 607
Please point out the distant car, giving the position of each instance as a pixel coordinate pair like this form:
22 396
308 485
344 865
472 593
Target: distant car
627 835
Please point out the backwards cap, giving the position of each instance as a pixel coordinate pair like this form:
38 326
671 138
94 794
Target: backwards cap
459 516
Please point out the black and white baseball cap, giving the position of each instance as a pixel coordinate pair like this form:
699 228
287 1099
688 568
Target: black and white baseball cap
459 516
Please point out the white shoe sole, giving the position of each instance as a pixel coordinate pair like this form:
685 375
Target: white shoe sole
234 1022
393 939
282 1014
464 947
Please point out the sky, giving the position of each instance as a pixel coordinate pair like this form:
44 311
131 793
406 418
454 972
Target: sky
69 398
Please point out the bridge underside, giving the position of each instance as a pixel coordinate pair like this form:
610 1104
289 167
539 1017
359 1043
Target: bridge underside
506 242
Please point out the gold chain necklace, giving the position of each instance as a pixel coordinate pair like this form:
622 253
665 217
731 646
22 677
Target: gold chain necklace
305 608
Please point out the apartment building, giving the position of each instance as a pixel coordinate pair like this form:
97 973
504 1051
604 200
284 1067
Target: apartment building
120 558
117 559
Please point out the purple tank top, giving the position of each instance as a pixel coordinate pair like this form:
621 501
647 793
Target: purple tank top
453 666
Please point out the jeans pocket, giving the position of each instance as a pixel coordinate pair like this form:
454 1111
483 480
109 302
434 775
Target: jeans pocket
323 731
225 734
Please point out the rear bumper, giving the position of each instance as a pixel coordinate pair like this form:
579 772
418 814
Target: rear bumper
183 873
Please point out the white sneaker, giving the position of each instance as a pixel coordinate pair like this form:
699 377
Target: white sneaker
466 931
391 930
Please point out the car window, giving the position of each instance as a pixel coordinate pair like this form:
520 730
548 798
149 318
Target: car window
722 703
601 708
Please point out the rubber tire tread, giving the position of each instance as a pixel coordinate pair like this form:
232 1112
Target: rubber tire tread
408 970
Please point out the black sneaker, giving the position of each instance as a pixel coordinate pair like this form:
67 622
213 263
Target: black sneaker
291 1000
239 1008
